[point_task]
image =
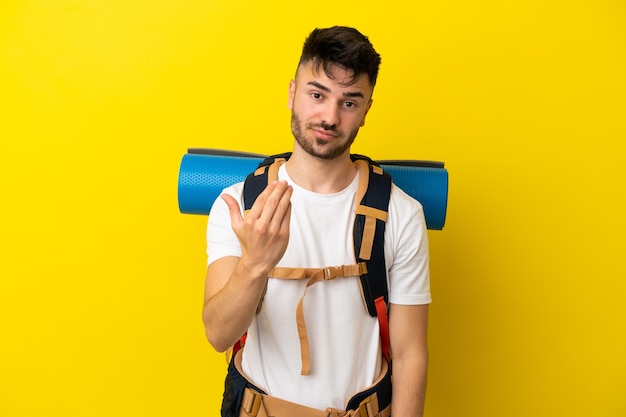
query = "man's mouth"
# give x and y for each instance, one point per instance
(325, 134)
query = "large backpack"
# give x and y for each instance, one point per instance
(241, 396)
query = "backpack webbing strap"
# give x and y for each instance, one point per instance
(318, 274)
(314, 275)
(371, 213)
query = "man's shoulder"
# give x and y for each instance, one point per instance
(219, 205)
(400, 200)
(235, 190)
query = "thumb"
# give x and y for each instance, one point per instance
(233, 208)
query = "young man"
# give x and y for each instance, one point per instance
(305, 220)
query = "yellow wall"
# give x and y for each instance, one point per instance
(101, 278)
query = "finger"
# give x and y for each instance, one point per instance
(268, 204)
(286, 220)
(282, 213)
(233, 208)
(257, 207)
(277, 217)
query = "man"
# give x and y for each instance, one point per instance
(305, 220)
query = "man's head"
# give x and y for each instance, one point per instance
(344, 47)
(332, 91)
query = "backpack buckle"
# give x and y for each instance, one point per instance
(333, 272)
(251, 401)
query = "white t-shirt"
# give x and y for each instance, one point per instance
(344, 339)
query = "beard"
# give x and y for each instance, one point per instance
(317, 147)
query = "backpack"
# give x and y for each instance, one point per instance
(373, 195)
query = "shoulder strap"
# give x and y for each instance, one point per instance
(369, 239)
(369, 229)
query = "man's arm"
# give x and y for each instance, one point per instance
(407, 335)
(235, 285)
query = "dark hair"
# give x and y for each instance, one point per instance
(342, 46)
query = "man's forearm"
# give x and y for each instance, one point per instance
(409, 386)
(228, 313)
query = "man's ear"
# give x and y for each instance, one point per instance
(292, 93)
(369, 105)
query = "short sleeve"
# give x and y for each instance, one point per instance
(406, 251)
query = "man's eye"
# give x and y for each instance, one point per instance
(316, 95)
(349, 104)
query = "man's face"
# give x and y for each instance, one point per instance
(326, 113)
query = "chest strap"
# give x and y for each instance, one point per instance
(313, 275)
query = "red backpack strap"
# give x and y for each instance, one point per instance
(383, 324)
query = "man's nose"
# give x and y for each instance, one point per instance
(330, 114)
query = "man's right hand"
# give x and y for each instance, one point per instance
(264, 232)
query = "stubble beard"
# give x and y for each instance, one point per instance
(317, 147)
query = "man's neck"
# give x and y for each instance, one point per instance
(320, 175)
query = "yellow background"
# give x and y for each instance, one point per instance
(101, 277)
